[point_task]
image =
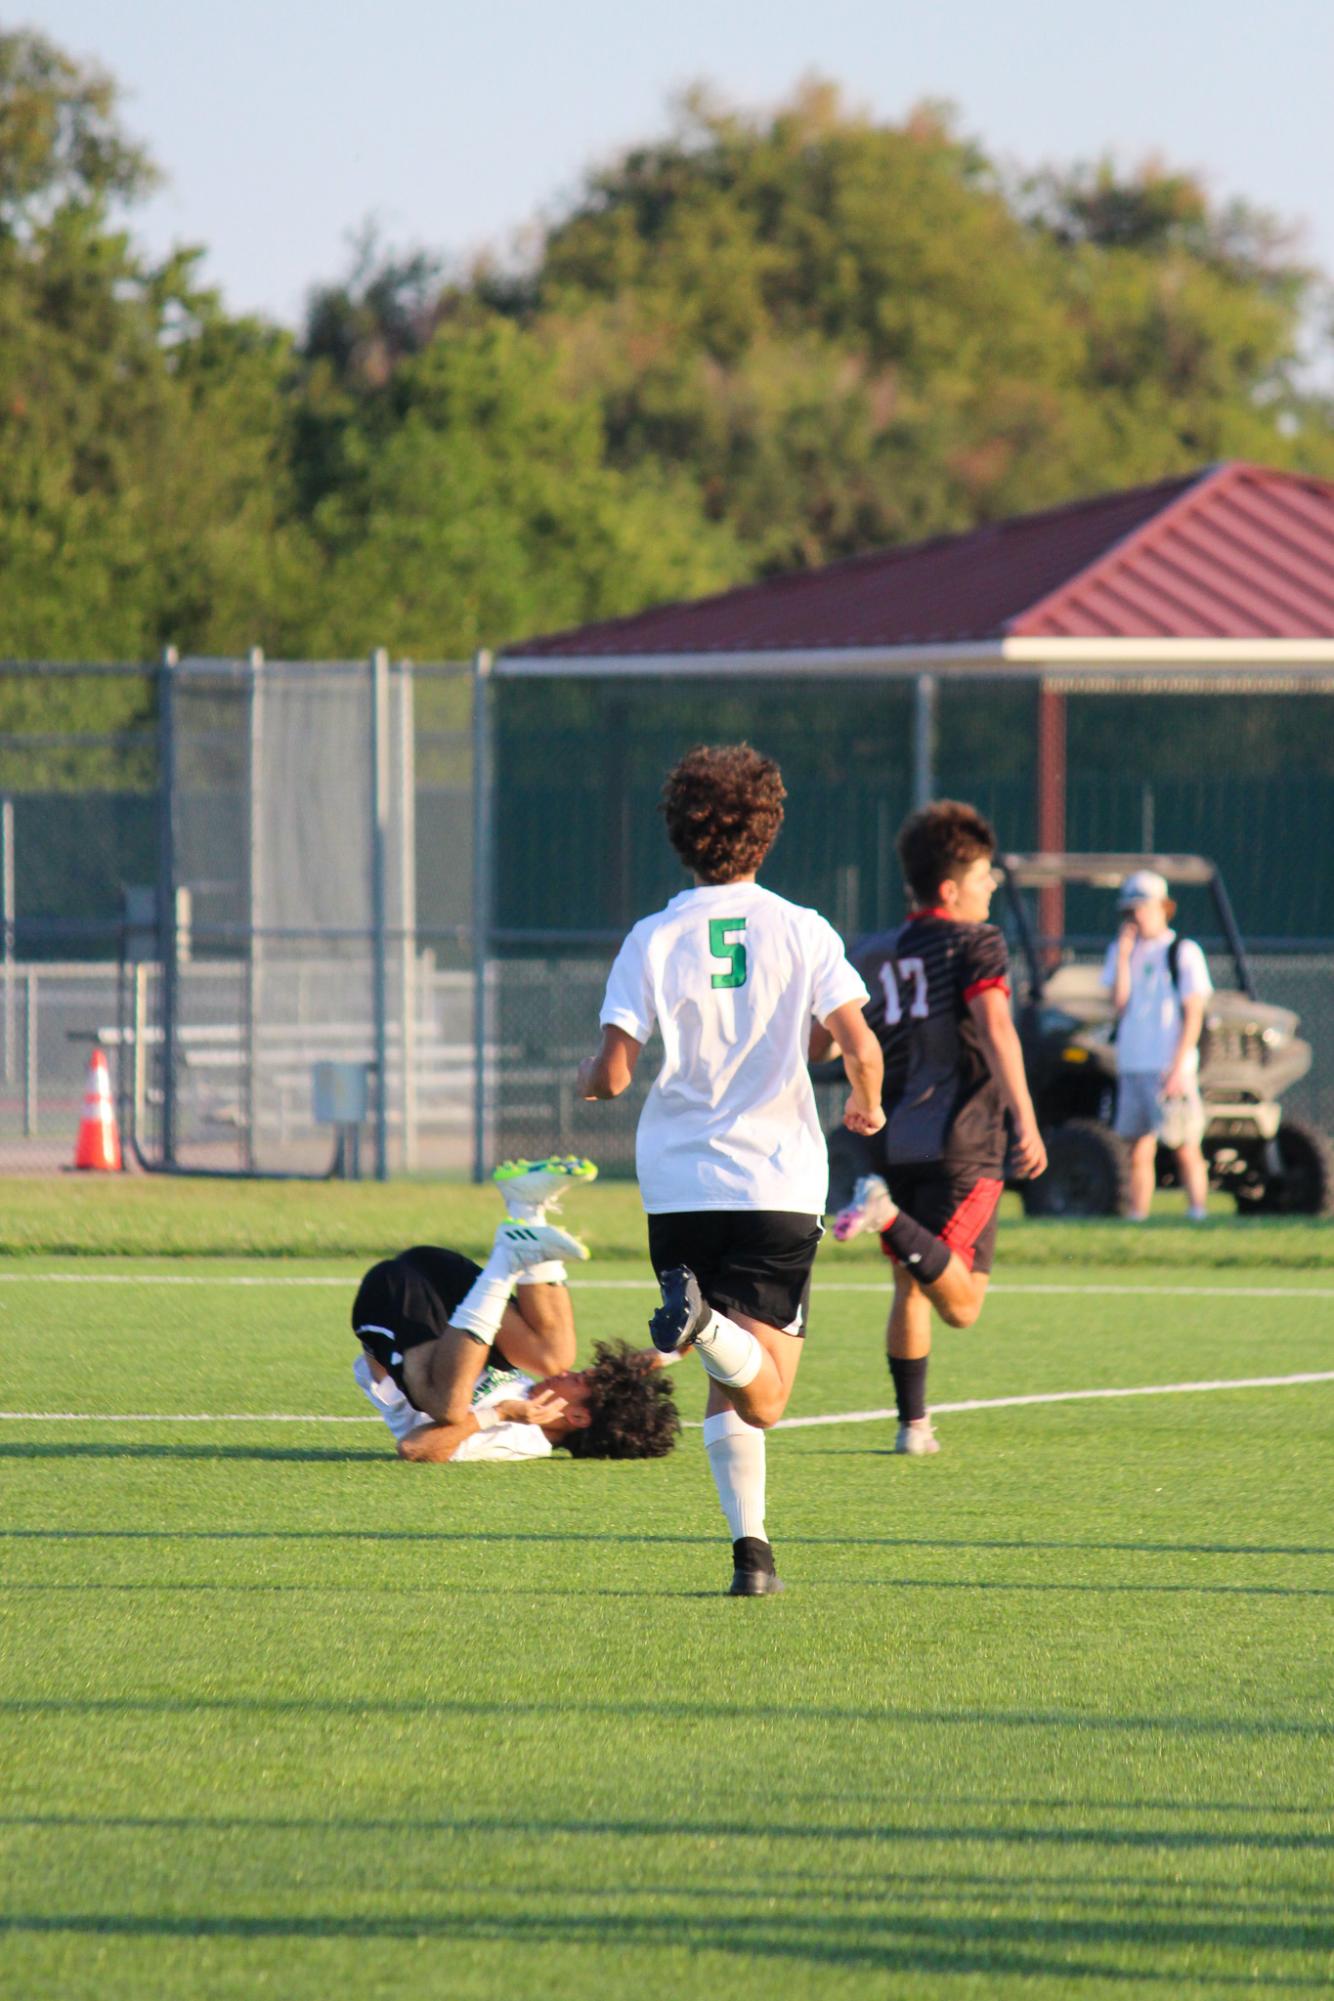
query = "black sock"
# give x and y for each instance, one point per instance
(917, 1249)
(909, 1385)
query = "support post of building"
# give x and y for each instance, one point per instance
(254, 879)
(483, 891)
(405, 787)
(379, 818)
(1051, 776)
(926, 695)
(167, 907)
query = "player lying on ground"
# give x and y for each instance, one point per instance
(466, 1361)
(731, 1160)
(954, 1083)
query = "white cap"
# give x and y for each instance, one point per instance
(1144, 886)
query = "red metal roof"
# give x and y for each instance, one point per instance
(1236, 551)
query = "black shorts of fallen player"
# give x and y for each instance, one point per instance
(958, 1204)
(752, 1261)
(407, 1301)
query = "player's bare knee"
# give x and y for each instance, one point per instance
(963, 1313)
(763, 1410)
(557, 1351)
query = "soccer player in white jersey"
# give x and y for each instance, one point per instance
(513, 1318)
(732, 1164)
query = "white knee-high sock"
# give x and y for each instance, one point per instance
(482, 1307)
(551, 1272)
(730, 1353)
(736, 1458)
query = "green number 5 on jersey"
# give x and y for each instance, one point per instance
(731, 951)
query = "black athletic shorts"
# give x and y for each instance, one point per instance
(408, 1300)
(756, 1260)
(958, 1204)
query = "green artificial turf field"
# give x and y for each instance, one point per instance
(1049, 1714)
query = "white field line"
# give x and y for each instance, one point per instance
(1069, 1396)
(784, 1424)
(265, 1279)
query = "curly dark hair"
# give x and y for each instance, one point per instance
(633, 1411)
(723, 805)
(940, 840)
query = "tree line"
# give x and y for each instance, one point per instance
(755, 343)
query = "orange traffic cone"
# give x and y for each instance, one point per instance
(98, 1144)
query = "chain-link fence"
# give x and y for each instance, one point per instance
(544, 1010)
(220, 950)
(253, 891)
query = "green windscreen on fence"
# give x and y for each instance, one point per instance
(1245, 780)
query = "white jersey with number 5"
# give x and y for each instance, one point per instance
(733, 977)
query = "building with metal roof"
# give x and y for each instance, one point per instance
(1232, 567)
(1220, 582)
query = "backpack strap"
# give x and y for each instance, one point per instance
(1174, 965)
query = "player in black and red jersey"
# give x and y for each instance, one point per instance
(955, 1095)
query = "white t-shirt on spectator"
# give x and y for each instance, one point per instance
(504, 1441)
(1146, 1037)
(733, 976)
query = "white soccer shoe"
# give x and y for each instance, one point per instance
(916, 1439)
(539, 1243)
(528, 1188)
(869, 1209)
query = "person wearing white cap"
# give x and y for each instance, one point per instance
(1159, 985)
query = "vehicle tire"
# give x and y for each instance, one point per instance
(1306, 1185)
(1088, 1173)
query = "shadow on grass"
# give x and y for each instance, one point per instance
(491, 1536)
(112, 1449)
(573, 1593)
(1087, 1722)
(905, 1835)
(858, 1875)
(889, 1940)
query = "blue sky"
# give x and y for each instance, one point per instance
(282, 126)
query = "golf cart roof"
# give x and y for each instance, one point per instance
(1102, 871)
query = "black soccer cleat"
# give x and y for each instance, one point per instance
(683, 1313)
(753, 1575)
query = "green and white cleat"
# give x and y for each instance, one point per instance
(528, 1188)
(539, 1243)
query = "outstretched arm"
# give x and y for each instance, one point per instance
(608, 1073)
(1005, 1060)
(439, 1442)
(431, 1445)
(864, 1064)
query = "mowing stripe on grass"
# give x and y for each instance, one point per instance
(784, 1424)
(880, 1287)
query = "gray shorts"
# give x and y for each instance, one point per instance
(1142, 1109)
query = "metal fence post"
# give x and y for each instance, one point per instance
(139, 1087)
(1051, 802)
(7, 916)
(379, 745)
(30, 1053)
(167, 910)
(407, 878)
(483, 823)
(254, 873)
(925, 695)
